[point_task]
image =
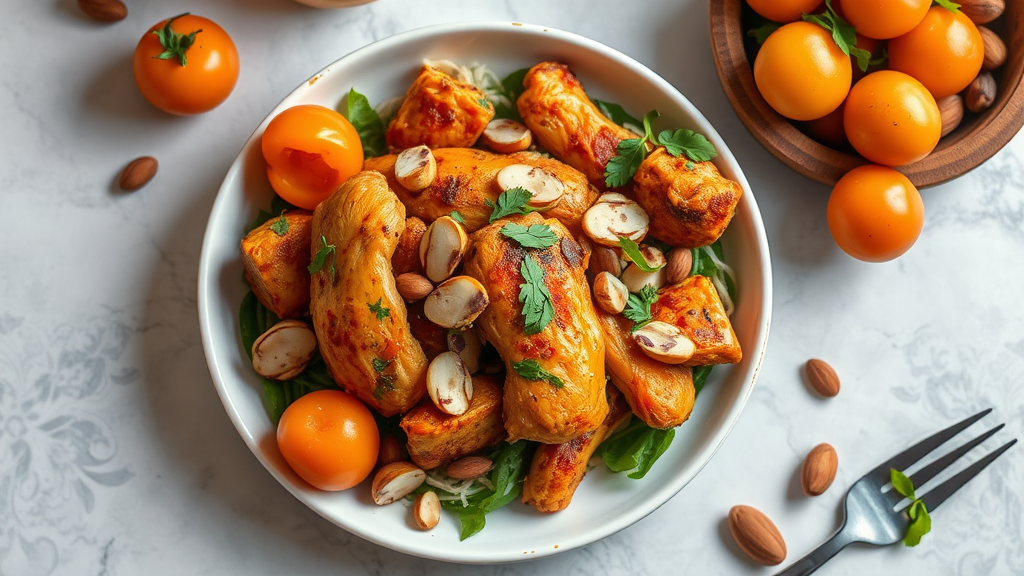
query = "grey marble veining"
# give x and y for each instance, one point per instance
(116, 457)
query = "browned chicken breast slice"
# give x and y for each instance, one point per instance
(407, 253)
(694, 306)
(437, 439)
(687, 207)
(275, 256)
(467, 178)
(570, 346)
(660, 394)
(557, 469)
(566, 123)
(358, 315)
(440, 112)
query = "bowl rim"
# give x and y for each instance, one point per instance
(208, 302)
(992, 130)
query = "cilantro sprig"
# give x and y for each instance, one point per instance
(175, 45)
(534, 236)
(280, 226)
(379, 309)
(511, 202)
(537, 307)
(320, 258)
(632, 251)
(457, 216)
(638, 306)
(630, 153)
(531, 370)
(920, 521)
(842, 33)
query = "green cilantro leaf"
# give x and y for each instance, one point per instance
(648, 118)
(761, 33)
(367, 123)
(280, 226)
(621, 167)
(320, 258)
(175, 45)
(690, 165)
(483, 102)
(633, 252)
(920, 524)
(455, 215)
(617, 114)
(948, 5)
(380, 364)
(510, 202)
(536, 236)
(638, 306)
(694, 145)
(902, 484)
(843, 34)
(537, 307)
(531, 370)
(382, 312)
(385, 384)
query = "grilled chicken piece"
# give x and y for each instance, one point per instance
(358, 315)
(407, 254)
(440, 112)
(660, 394)
(566, 123)
(570, 346)
(557, 469)
(275, 264)
(467, 177)
(694, 306)
(437, 439)
(688, 207)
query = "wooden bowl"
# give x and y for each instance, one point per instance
(977, 138)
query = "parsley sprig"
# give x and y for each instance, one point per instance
(379, 309)
(920, 521)
(280, 226)
(632, 251)
(842, 33)
(511, 202)
(536, 236)
(638, 306)
(630, 153)
(175, 45)
(537, 307)
(320, 258)
(531, 370)
(457, 216)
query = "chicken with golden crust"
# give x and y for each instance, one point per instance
(694, 306)
(440, 112)
(275, 256)
(359, 318)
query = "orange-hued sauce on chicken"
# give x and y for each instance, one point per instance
(440, 112)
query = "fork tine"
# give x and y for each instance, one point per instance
(930, 471)
(937, 496)
(905, 459)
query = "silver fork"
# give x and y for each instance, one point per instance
(870, 513)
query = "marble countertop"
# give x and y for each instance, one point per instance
(116, 456)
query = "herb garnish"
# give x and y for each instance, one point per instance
(510, 202)
(536, 236)
(632, 251)
(175, 45)
(384, 384)
(842, 33)
(380, 364)
(382, 312)
(630, 153)
(920, 521)
(321, 257)
(537, 307)
(531, 370)
(694, 145)
(455, 215)
(617, 114)
(635, 448)
(367, 123)
(948, 5)
(638, 306)
(280, 226)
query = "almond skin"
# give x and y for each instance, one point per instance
(981, 93)
(104, 10)
(951, 111)
(413, 287)
(138, 173)
(391, 450)
(822, 377)
(469, 467)
(680, 262)
(756, 535)
(982, 11)
(819, 470)
(395, 481)
(995, 49)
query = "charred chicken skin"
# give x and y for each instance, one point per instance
(440, 112)
(695, 307)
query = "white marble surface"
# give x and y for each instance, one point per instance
(116, 457)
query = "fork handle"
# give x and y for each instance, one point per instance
(819, 555)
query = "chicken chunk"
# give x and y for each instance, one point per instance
(275, 258)
(687, 207)
(694, 306)
(660, 394)
(440, 112)
(407, 254)
(359, 317)
(467, 178)
(437, 439)
(566, 123)
(570, 346)
(557, 469)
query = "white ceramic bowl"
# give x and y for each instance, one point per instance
(605, 503)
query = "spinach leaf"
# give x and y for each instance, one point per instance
(616, 114)
(635, 448)
(700, 376)
(367, 123)
(511, 87)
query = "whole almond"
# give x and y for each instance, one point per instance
(138, 173)
(982, 11)
(680, 262)
(396, 481)
(951, 111)
(391, 450)
(412, 286)
(995, 49)
(605, 259)
(756, 535)
(104, 10)
(981, 93)
(469, 467)
(822, 377)
(426, 510)
(819, 469)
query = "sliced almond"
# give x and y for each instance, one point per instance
(611, 218)
(680, 263)
(391, 450)
(415, 168)
(634, 278)
(545, 187)
(412, 286)
(456, 302)
(611, 197)
(664, 342)
(610, 293)
(396, 481)
(284, 350)
(426, 510)
(449, 383)
(605, 259)
(467, 344)
(442, 247)
(506, 136)
(469, 467)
